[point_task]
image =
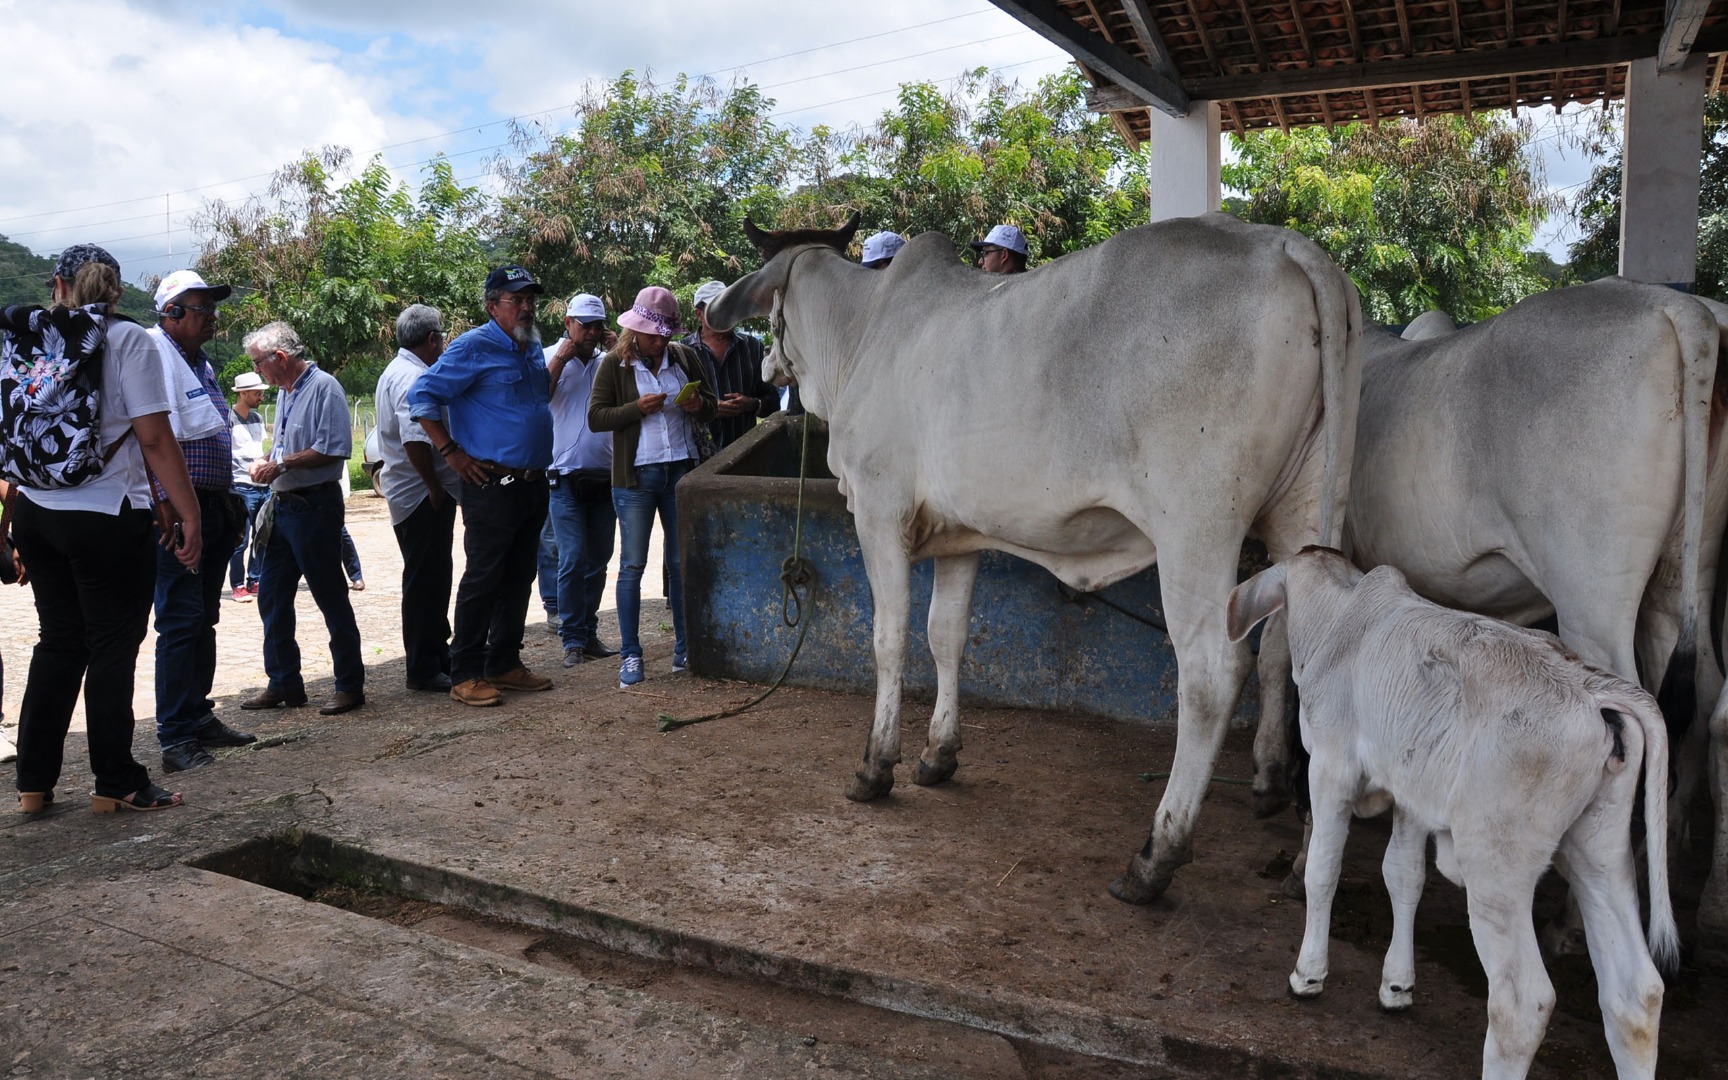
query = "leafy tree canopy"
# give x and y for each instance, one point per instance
(340, 263)
(1597, 205)
(1437, 213)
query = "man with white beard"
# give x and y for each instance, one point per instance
(493, 382)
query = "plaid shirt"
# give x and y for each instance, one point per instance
(209, 460)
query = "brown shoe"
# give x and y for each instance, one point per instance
(270, 699)
(342, 701)
(476, 692)
(520, 679)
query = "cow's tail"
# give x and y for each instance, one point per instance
(1632, 702)
(1696, 333)
(1340, 314)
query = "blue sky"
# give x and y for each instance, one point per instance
(119, 119)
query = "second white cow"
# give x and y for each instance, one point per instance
(1509, 751)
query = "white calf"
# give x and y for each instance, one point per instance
(1495, 740)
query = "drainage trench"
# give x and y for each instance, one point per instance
(815, 1003)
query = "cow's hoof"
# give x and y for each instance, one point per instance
(1301, 987)
(1141, 883)
(928, 775)
(1294, 889)
(1395, 999)
(866, 787)
(1270, 802)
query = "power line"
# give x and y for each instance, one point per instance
(508, 119)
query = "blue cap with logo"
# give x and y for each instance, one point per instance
(512, 279)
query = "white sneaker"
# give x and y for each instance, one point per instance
(8, 752)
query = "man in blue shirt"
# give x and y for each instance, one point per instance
(492, 382)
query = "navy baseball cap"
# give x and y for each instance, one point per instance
(76, 256)
(512, 279)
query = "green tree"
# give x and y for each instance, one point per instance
(1597, 205)
(985, 152)
(339, 263)
(651, 186)
(1421, 214)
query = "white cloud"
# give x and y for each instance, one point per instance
(105, 103)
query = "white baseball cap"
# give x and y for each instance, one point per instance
(707, 291)
(1003, 236)
(585, 307)
(884, 245)
(247, 380)
(185, 281)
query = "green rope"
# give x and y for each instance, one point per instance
(796, 572)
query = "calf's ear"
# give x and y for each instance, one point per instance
(1253, 600)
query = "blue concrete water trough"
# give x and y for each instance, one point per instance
(1034, 643)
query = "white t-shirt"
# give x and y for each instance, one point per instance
(132, 386)
(190, 416)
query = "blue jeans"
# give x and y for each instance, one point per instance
(350, 556)
(307, 542)
(188, 606)
(241, 569)
(654, 491)
(584, 523)
(546, 568)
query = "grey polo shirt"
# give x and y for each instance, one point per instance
(312, 415)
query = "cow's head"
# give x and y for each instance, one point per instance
(753, 295)
(1311, 576)
(762, 292)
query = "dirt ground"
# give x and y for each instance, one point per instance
(563, 845)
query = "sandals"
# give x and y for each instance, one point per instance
(34, 802)
(148, 797)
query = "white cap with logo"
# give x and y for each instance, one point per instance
(585, 307)
(185, 281)
(884, 245)
(1003, 236)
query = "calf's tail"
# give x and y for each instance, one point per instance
(1630, 701)
(1339, 308)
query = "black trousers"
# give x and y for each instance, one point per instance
(92, 576)
(424, 540)
(501, 526)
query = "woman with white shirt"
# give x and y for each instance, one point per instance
(92, 568)
(653, 447)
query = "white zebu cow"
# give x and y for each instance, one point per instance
(1151, 399)
(1493, 739)
(1551, 460)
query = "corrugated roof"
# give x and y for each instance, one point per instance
(1294, 63)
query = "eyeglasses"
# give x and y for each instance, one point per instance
(199, 309)
(520, 301)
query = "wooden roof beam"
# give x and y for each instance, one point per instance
(1432, 68)
(1139, 15)
(1159, 89)
(1684, 18)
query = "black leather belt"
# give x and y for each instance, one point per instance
(502, 477)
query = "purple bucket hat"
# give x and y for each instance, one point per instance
(655, 312)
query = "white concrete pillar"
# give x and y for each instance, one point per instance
(1184, 180)
(1659, 180)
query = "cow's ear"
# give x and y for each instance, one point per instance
(1253, 600)
(749, 297)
